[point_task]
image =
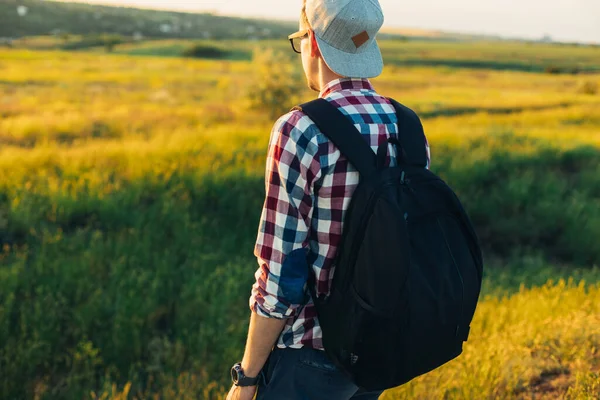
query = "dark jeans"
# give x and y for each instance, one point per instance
(306, 374)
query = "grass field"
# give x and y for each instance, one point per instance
(131, 187)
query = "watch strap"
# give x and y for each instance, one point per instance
(243, 380)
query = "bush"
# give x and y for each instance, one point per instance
(276, 84)
(110, 41)
(547, 201)
(202, 50)
(107, 41)
(590, 87)
(552, 69)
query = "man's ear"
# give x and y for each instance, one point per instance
(314, 47)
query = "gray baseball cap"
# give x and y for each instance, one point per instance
(345, 31)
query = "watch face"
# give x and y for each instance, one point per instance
(239, 378)
(235, 373)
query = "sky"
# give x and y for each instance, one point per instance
(565, 20)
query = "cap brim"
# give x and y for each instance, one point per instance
(367, 64)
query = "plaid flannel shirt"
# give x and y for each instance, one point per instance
(309, 185)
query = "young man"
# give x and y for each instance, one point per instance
(309, 185)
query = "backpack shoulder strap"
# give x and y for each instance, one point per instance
(340, 130)
(411, 135)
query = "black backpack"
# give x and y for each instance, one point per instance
(409, 268)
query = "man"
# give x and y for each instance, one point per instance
(309, 185)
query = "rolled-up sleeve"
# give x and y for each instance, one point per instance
(283, 233)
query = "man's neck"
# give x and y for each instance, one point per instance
(326, 76)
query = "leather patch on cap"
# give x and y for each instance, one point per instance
(361, 39)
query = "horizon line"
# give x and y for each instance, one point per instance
(386, 29)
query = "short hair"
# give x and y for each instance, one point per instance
(303, 16)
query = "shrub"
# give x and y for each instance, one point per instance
(65, 37)
(590, 87)
(203, 50)
(552, 69)
(276, 84)
(107, 41)
(110, 41)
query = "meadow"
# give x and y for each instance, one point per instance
(131, 186)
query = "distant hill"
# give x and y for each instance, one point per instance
(20, 18)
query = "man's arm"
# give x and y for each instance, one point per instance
(282, 243)
(262, 335)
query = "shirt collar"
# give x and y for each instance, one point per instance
(345, 84)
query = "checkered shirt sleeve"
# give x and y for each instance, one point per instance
(283, 237)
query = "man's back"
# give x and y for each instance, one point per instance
(309, 186)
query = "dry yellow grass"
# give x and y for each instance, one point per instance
(534, 344)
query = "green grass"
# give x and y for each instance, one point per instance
(130, 192)
(511, 56)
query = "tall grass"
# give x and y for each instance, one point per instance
(540, 336)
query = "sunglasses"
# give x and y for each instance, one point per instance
(297, 38)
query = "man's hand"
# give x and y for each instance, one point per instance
(262, 335)
(241, 393)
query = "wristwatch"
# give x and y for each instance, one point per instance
(241, 380)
